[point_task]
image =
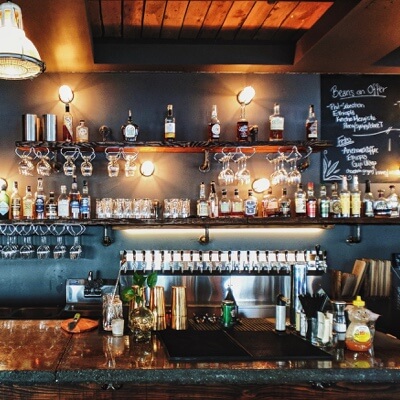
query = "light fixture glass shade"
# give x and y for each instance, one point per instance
(147, 168)
(246, 95)
(19, 58)
(65, 94)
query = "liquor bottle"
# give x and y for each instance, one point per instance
(214, 126)
(82, 132)
(213, 206)
(311, 125)
(169, 126)
(51, 207)
(300, 202)
(344, 198)
(74, 198)
(40, 200)
(276, 124)
(84, 203)
(4, 202)
(63, 203)
(393, 202)
(284, 204)
(202, 204)
(381, 206)
(15, 200)
(368, 201)
(130, 131)
(67, 125)
(242, 126)
(311, 202)
(335, 208)
(355, 198)
(323, 202)
(225, 208)
(28, 204)
(269, 205)
(237, 205)
(250, 205)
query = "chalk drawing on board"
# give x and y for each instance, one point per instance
(387, 131)
(329, 170)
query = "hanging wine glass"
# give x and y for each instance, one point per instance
(70, 154)
(87, 166)
(227, 175)
(43, 167)
(75, 251)
(242, 175)
(113, 164)
(294, 175)
(43, 251)
(60, 249)
(130, 166)
(25, 166)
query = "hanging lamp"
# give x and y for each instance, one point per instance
(19, 58)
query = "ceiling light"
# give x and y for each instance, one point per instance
(19, 58)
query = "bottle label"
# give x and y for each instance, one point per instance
(362, 334)
(202, 210)
(63, 208)
(277, 123)
(312, 130)
(250, 207)
(39, 205)
(324, 209)
(4, 208)
(356, 205)
(312, 209)
(130, 132)
(300, 205)
(16, 208)
(82, 134)
(170, 130)
(75, 208)
(242, 130)
(215, 130)
(225, 207)
(84, 206)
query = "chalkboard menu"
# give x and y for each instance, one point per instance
(360, 115)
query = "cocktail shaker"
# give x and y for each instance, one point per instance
(157, 307)
(179, 320)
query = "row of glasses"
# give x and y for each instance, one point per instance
(113, 156)
(44, 166)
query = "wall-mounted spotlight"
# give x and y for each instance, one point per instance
(261, 185)
(147, 168)
(244, 97)
(65, 94)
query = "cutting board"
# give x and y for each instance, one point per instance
(83, 325)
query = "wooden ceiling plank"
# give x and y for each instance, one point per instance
(173, 19)
(94, 14)
(111, 11)
(132, 19)
(194, 18)
(215, 18)
(153, 19)
(235, 19)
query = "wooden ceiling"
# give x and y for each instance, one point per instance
(336, 36)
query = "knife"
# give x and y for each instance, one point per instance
(74, 322)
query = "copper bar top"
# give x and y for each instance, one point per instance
(39, 351)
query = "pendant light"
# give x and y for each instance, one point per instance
(19, 58)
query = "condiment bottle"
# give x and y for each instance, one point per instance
(358, 334)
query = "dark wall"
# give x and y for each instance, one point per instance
(105, 99)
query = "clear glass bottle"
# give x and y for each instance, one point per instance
(68, 133)
(4, 202)
(311, 124)
(355, 198)
(345, 198)
(40, 200)
(323, 202)
(130, 131)
(202, 203)
(237, 205)
(169, 126)
(74, 199)
(51, 207)
(28, 204)
(368, 201)
(250, 205)
(84, 202)
(225, 208)
(276, 124)
(82, 132)
(15, 200)
(284, 204)
(242, 126)
(300, 201)
(381, 206)
(213, 206)
(393, 202)
(311, 202)
(335, 208)
(63, 203)
(214, 126)
(270, 206)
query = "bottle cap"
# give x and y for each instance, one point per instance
(358, 302)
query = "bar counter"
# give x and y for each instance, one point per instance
(39, 357)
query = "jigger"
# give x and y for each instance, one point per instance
(179, 320)
(157, 307)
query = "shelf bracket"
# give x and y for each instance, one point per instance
(205, 239)
(355, 234)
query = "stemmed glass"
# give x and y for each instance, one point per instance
(75, 250)
(113, 165)
(294, 175)
(25, 166)
(27, 250)
(226, 176)
(60, 249)
(87, 166)
(279, 176)
(43, 251)
(130, 166)
(70, 154)
(242, 175)
(43, 167)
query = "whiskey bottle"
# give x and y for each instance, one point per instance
(269, 205)
(130, 131)
(300, 201)
(169, 126)
(284, 204)
(311, 202)
(202, 204)
(393, 202)
(15, 200)
(368, 201)
(344, 198)
(28, 204)
(276, 124)
(84, 202)
(51, 207)
(237, 205)
(335, 208)
(213, 206)
(67, 125)
(224, 205)
(4, 202)
(355, 198)
(311, 125)
(40, 200)
(214, 126)
(381, 206)
(82, 132)
(323, 202)
(74, 199)
(242, 126)
(63, 203)
(250, 205)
